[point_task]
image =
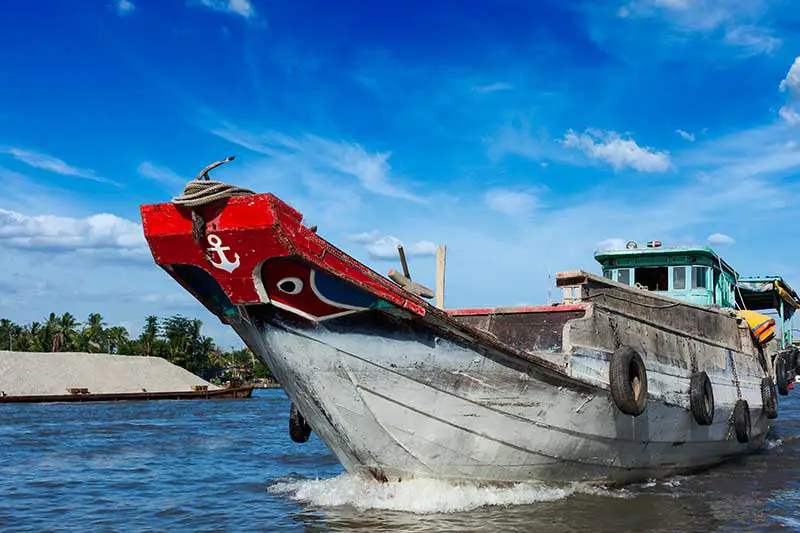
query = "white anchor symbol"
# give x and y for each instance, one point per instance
(224, 263)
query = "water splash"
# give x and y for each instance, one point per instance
(772, 443)
(425, 496)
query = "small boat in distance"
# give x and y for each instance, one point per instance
(647, 370)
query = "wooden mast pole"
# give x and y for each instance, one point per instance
(441, 256)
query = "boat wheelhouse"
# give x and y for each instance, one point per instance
(698, 275)
(693, 274)
(771, 294)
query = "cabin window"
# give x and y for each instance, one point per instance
(608, 273)
(699, 277)
(654, 278)
(678, 278)
(624, 276)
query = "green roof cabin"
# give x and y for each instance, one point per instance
(696, 274)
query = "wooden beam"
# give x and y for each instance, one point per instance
(441, 260)
(403, 261)
(411, 286)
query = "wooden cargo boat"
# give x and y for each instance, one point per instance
(643, 372)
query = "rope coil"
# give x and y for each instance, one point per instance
(202, 191)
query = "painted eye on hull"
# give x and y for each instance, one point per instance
(290, 285)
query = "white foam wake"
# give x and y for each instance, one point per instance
(772, 443)
(421, 496)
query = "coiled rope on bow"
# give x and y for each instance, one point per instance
(201, 191)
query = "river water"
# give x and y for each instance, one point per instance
(229, 465)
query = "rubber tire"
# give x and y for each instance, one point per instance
(299, 430)
(781, 375)
(701, 398)
(741, 421)
(769, 398)
(626, 365)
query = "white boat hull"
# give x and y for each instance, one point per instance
(394, 408)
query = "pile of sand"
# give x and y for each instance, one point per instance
(33, 373)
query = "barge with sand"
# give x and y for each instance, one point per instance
(34, 377)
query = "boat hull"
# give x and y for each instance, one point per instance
(399, 389)
(395, 407)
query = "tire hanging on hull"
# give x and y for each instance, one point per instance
(701, 398)
(795, 360)
(769, 398)
(299, 430)
(741, 421)
(628, 381)
(781, 375)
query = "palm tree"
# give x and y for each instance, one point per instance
(35, 337)
(64, 331)
(18, 338)
(149, 335)
(116, 336)
(6, 334)
(51, 331)
(92, 335)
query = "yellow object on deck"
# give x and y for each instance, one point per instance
(761, 326)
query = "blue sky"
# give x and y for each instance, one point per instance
(524, 135)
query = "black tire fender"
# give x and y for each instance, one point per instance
(769, 397)
(299, 430)
(781, 375)
(793, 362)
(701, 398)
(741, 420)
(627, 378)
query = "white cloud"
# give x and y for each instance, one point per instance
(52, 164)
(520, 141)
(509, 202)
(738, 23)
(125, 7)
(753, 40)
(791, 82)
(102, 232)
(720, 238)
(620, 153)
(789, 115)
(169, 298)
(494, 87)
(380, 246)
(27, 195)
(755, 153)
(686, 135)
(162, 175)
(614, 243)
(310, 154)
(242, 8)
(672, 4)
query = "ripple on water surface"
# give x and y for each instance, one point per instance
(230, 466)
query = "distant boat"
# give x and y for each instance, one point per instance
(645, 371)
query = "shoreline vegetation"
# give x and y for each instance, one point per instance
(175, 338)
